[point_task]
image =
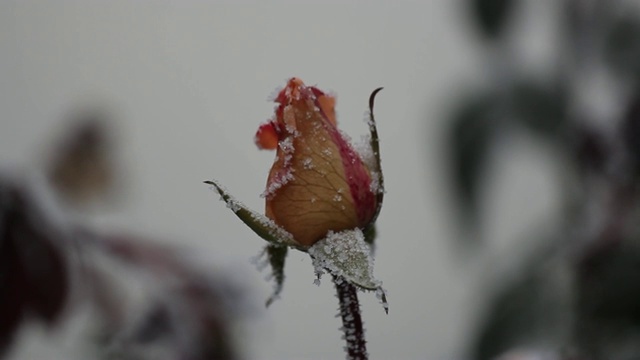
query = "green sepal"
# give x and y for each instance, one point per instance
(374, 143)
(370, 235)
(276, 255)
(260, 224)
(346, 255)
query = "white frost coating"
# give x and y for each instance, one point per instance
(274, 94)
(375, 183)
(281, 179)
(286, 145)
(363, 148)
(266, 224)
(276, 184)
(367, 118)
(346, 255)
(276, 231)
(345, 136)
(307, 163)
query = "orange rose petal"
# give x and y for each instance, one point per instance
(317, 197)
(317, 183)
(327, 105)
(266, 137)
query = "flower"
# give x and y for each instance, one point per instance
(321, 197)
(318, 182)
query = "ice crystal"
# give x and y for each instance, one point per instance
(345, 254)
(363, 148)
(278, 182)
(307, 163)
(286, 145)
(274, 94)
(375, 183)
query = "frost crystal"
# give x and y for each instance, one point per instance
(363, 148)
(286, 145)
(345, 254)
(375, 183)
(277, 183)
(307, 163)
(274, 94)
(368, 118)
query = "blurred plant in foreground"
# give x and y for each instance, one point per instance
(578, 293)
(322, 198)
(52, 267)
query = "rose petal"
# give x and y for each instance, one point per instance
(317, 182)
(266, 137)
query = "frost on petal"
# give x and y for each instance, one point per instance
(260, 224)
(363, 148)
(346, 255)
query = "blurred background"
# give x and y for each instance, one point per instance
(509, 135)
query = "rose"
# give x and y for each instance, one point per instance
(318, 183)
(322, 196)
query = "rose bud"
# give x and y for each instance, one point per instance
(318, 182)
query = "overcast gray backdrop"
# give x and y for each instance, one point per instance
(186, 84)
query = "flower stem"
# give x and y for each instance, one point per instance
(351, 320)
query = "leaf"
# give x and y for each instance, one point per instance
(41, 262)
(491, 15)
(532, 307)
(630, 131)
(540, 107)
(33, 269)
(607, 298)
(260, 224)
(370, 235)
(622, 46)
(277, 255)
(346, 255)
(470, 137)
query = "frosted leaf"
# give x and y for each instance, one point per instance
(345, 254)
(260, 224)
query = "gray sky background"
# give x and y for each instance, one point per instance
(187, 85)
